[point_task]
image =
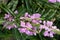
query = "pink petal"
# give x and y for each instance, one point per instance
(16, 12)
(26, 14)
(35, 21)
(52, 1)
(44, 22)
(9, 27)
(22, 30)
(49, 23)
(21, 17)
(28, 25)
(51, 34)
(46, 33)
(22, 24)
(37, 15)
(58, 0)
(6, 16)
(28, 32)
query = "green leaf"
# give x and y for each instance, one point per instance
(46, 13)
(5, 8)
(16, 34)
(21, 11)
(56, 31)
(14, 5)
(1, 21)
(52, 14)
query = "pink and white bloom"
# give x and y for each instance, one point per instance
(48, 34)
(28, 25)
(9, 17)
(34, 21)
(10, 26)
(6, 16)
(22, 24)
(34, 16)
(31, 27)
(52, 1)
(22, 30)
(58, 0)
(16, 12)
(48, 23)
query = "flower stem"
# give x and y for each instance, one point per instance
(40, 37)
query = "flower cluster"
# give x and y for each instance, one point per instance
(28, 22)
(10, 19)
(48, 28)
(32, 24)
(54, 1)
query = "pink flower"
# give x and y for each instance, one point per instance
(28, 25)
(52, 1)
(26, 31)
(22, 30)
(35, 21)
(58, 0)
(27, 28)
(48, 23)
(40, 21)
(44, 27)
(54, 27)
(22, 18)
(44, 22)
(46, 33)
(37, 15)
(8, 17)
(22, 24)
(10, 26)
(27, 15)
(16, 12)
(29, 32)
(51, 34)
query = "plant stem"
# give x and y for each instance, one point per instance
(40, 37)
